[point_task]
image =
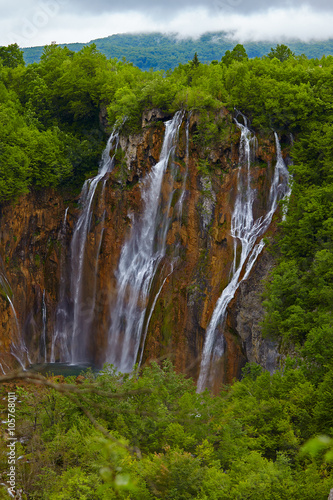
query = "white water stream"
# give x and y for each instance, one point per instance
(44, 319)
(59, 338)
(140, 257)
(17, 348)
(82, 320)
(246, 232)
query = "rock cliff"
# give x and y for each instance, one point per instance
(35, 248)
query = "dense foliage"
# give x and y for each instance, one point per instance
(173, 443)
(245, 443)
(54, 133)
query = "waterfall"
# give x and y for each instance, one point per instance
(17, 348)
(141, 256)
(75, 314)
(59, 337)
(44, 318)
(178, 211)
(89, 308)
(245, 231)
(180, 202)
(83, 317)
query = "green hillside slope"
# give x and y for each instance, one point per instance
(158, 51)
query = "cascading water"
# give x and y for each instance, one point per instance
(75, 311)
(178, 212)
(59, 338)
(245, 231)
(140, 258)
(17, 348)
(179, 205)
(82, 315)
(44, 318)
(290, 179)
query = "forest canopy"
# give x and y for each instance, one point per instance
(165, 51)
(168, 442)
(57, 102)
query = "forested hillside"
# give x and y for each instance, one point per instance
(172, 443)
(159, 51)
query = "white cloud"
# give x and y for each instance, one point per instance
(40, 26)
(274, 24)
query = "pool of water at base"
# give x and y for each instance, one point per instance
(65, 369)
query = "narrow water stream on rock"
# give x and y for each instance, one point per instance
(246, 232)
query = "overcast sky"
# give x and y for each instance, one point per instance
(31, 23)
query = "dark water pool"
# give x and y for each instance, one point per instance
(64, 369)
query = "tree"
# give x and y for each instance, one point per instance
(11, 56)
(281, 52)
(238, 53)
(195, 61)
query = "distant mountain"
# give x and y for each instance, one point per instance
(158, 51)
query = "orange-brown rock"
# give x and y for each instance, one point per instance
(30, 253)
(192, 275)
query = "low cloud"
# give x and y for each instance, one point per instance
(52, 20)
(172, 7)
(273, 25)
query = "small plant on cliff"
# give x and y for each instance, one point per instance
(203, 167)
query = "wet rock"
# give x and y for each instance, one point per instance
(199, 250)
(247, 314)
(153, 115)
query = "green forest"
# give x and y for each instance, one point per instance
(151, 435)
(163, 51)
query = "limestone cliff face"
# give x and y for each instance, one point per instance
(30, 243)
(188, 297)
(246, 312)
(35, 252)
